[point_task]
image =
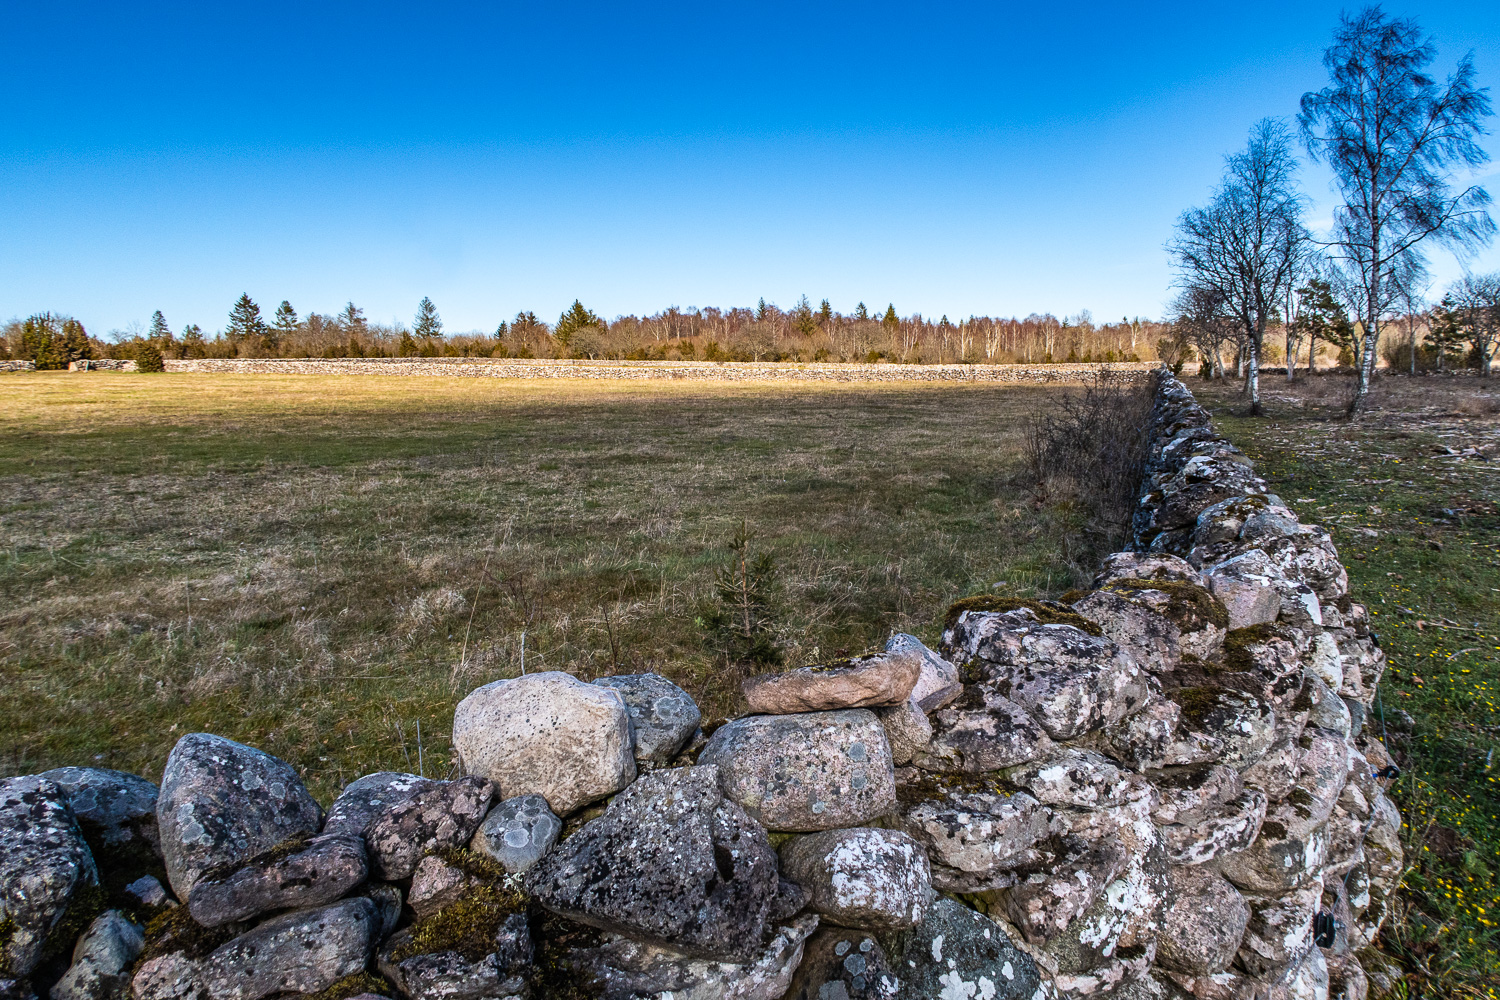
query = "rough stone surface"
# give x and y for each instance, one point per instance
(113, 808)
(1247, 589)
(938, 683)
(863, 682)
(304, 876)
(1234, 728)
(147, 891)
(663, 717)
(907, 730)
(223, 802)
(518, 832)
(453, 975)
(866, 878)
(1142, 631)
(444, 815)
(809, 772)
(44, 864)
(846, 964)
(1191, 794)
(365, 798)
(1202, 928)
(981, 731)
(547, 734)
(622, 969)
(173, 976)
(1230, 828)
(976, 832)
(1082, 779)
(102, 960)
(1278, 932)
(673, 861)
(435, 884)
(1147, 566)
(1070, 681)
(957, 952)
(301, 952)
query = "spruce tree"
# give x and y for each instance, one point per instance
(75, 341)
(825, 313)
(427, 325)
(890, 320)
(244, 320)
(192, 341)
(160, 331)
(860, 312)
(286, 319)
(574, 319)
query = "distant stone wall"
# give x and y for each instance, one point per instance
(1161, 787)
(735, 371)
(17, 366)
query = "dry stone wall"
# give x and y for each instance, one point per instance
(1162, 788)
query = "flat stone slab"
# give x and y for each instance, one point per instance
(809, 772)
(299, 876)
(863, 682)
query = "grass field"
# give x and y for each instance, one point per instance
(322, 567)
(1420, 533)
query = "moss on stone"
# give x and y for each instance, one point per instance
(1190, 607)
(1197, 703)
(1239, 643)
(474, 864)
(1272, 830)
(7, 931)
(466, 926)
(175, 931)
(935, 787)
(353, 986)
(292, 845)
(1047, 612)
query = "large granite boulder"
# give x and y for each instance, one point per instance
(299, 874)
(442, 816)
(222, 802)
(870, 681)
(672, 861)
(365, 798)
(867, 878)
(663, 716)
(301, 952)
(547, 734)
(1069, 680)
(113, 808)
(809, 772)
(518, 832)
(45, 866)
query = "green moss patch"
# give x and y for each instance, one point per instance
(1047, 612)
(353, 986)
(175, 931)
(285, 849)
(1239, 643)
(466, 926)
(1190, 607)
(935, 787)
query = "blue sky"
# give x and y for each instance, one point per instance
(949, 158)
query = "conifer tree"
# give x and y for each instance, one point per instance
(860, 312)
(244, 320)
(160, 331)
(286, 319)
(575, 318)
(192, 341)
(75, 341)
(427, 326)
(890, 321)
(825, 313)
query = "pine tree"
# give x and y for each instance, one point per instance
(890, 321)
(192, 341)
(825, 313)
(353, 318)
(41, 343)
(244, 320)
(761, 311)
(802, 318)
(575, 318)
(407, 348)
(860, 312)
(427, 325)
(286, 319)
(75, 341)
(160, 331)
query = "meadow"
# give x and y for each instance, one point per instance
(323, 566)
(1412, 496)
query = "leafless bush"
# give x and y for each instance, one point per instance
(1088, 456)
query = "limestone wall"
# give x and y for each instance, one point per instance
(1162, 787)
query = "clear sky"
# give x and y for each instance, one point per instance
(949, 158)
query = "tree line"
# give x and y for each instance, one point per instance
(1396, 139)
(762, 333)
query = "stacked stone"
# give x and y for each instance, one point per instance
(1152, 790)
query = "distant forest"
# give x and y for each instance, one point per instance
(763, 333)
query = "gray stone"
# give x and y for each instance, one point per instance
(458, 975)
(1070, 681)
(436, 884)
(866, 878)
(1227, 829)
(1289, 850)
(301, 952)
(102, 960)
(907, 730)
(885, 678)
(297, 875)
(547, 734)
(623, 969)
(148, 891)
(1202, 928)
(1246, 584)
(1081, 779)
(113, 808)
(1234, 728)
(223, 802)
(1142, 631)
(976, 832)
(1053, 894)
(518, 832)
(1191, 794)
(938, 683)
(1146, 566)
(809, 772)
(173, 976)
(1279, 933)
(981, 731)
(44, 865)
(444, 815)
(365, 798)
(663, 716)
(957, 952)
(844, 964)
(671, 861)
(1144, 739)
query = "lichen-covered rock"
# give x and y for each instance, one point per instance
(975, 831)
(663, 717)
(222, 802)
(981, 731)
(1142, 631)
(173, 976)
(1070, 681)
(623, 969)
(1054, 893)
(44, 866)
(938, 683)
(1190, 794)
(113, 808)
(866, 878)
(672, 861)
(871, 681)
(809, 772)
(436, 884)
(956, 952)
(1232, 826)
(1246, 588)
(441, 816)
(494, 968)
(1232, 727)
(1188, 606)
(102, 960)
(147, 891)
(1202, 928)
(1289, 850)
(907, 730)
(846, 964)
(1144, 739)
(300, 952)
(547, 734)
(1146, 566)
(296, 875)
(518, 832)
(1081, 779)
(365, 798)
(1279, 931)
